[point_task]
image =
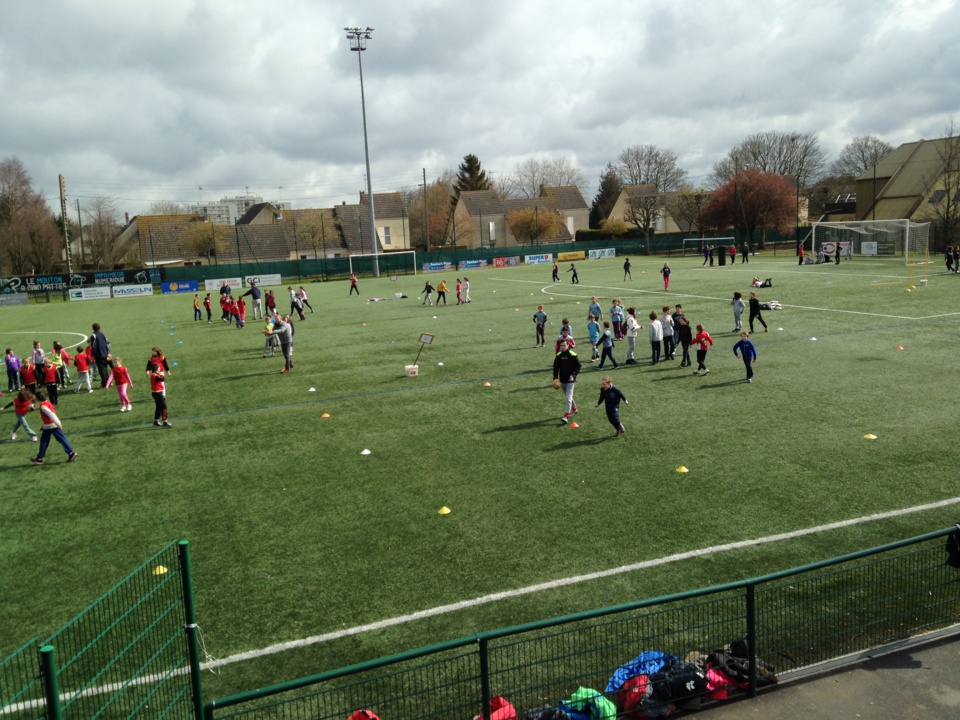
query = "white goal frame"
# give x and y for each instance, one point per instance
(701, 242)
(892, 237)
(380, 256)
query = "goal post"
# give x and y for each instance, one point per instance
(696, 245)
(880, 238)
(399, 262)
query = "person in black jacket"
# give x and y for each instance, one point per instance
(755, 312)
(566, 367)
(100, 347)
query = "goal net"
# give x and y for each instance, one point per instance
(400, 262)
(881, 238)
(695, 246)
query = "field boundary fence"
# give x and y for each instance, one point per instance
(776, 627)
(132, 653)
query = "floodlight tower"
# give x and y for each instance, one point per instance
(358, 43)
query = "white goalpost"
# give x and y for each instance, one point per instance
(698, 244)
(877, 238)
(399, 262)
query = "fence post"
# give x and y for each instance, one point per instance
(51, 688)
(190, 628)
(752, 636)
(485, 678)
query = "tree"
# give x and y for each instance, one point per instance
(313, 226)
(943, 206)
(167, 207)
(753, 200)
(859, 155)
(606, 197)
(29, 239)
(614, 227)
(470, 176)
(101, 230)
(200, 238)
(442, 228)
(531, 176)
(796, 154)
(649, 165)
(534, 224)
(686, 208)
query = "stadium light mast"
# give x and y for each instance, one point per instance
(358, 43)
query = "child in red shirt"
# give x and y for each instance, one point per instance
(702, 339)
(52, 427)
(207, 304)
(121, 378)
(51, 381)
(82, 363)
(28, 375)
(22, 404)
(159, 392)
(239, 312)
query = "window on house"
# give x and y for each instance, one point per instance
(937, 196)
(385, 235)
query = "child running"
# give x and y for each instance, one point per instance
(755, 310)
(82, 363)
(702, 339)
(748, 352)
(52, 428)
(611, 396)
(121, 379)
(606, 341)
(566, 367)
(22, 404)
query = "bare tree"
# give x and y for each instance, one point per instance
(859, 155)
(317, 227)
(203, 239)
(531, 176)
(649, 165)
(532, 225)
(167, 207)
(442, 228)
(29, 239)
(942, 207)
(791, 154)
(101, 231)
(686, 207)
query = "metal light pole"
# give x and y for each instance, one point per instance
(358, 43)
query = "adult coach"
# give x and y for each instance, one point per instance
(100, 347)
(254, 293)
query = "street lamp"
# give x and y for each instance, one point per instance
(358, 43)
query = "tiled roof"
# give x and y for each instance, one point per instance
(566, 197)
(160, 236)
(386, 206)
(635, 191)
(354, 228)
(482, 202)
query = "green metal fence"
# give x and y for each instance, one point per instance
(792, 620)
(131, 654)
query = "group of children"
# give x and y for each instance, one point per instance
(462, 288)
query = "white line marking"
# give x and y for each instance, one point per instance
(563, 582)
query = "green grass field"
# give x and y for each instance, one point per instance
(295, 534)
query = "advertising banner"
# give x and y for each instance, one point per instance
(437, 267)
(13, 299)
(506, 261)
(567, 256)
(263, 279)
(184, 286)
(63, 281)
(215, 284)
(471, 264)
(90, 293)
(603, 253)
(132, 290)
(539, 259)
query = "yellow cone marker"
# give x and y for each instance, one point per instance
(325, 415)
(443, 511)
(869, 436)
(682, 469)
(516, 309)
(160, 570)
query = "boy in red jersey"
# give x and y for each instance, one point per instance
(207, 305)
(240, 312)
(158, 389)
(28, 375)
(82, 363)
(52, 427)
(51, 381)
(22, 404)
(702, 340)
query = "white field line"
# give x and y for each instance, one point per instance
(493, 597)
(551, 290)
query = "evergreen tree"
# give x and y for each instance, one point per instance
(607, 194)
(470, 176)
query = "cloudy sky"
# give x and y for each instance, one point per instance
(147, 101)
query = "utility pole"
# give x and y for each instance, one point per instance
(66, 235)
(426, 236)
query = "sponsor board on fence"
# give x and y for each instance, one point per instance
(506, 261)
(13, 299)
(132, 290)
(567, 256)
(215, 284)
(437, 267)
(90, 293)
(538, 259)
(183, 286)
(64, 281)
(471, 264)
(868, 247)
(263, 279)
(601, 253)
(846, 248)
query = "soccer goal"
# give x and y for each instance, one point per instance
(883, 238)
(695, 246)
(400, 262)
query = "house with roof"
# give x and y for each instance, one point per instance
(480, 215)
(664, 223)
